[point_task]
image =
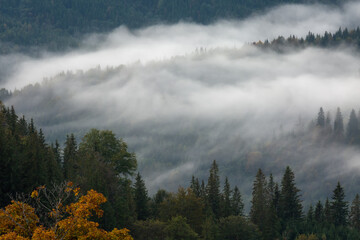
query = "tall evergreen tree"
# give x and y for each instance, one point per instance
(290, 203)
(226, 196)
(320, 122)
(141, 198)
(237, 205)
(195, 186)
(355, 213)
(327, 211)
(338, 126)
(319, 213)
(260, 201)
(339, 207)
(352, 131)
(213, 190)
(70, 157)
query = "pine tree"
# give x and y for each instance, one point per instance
(226, 199)
(321, 118)
(70, 157)
(213, 190)
(327, 211)
(339, 207)
(352, 131)
(259, 202)
(319, 213)
(195, 186)
(290, 203)
(237, 205)
(355, 213)
(338, 126)
(141, 198)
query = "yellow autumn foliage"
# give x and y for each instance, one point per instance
(18, 220)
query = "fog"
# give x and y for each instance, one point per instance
(185, 94)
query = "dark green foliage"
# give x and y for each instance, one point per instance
(339, 207)
(340, 37)
(177, 228)
(70, 157)
(354, 218)
(319, 213)
(26, 161)
(352, 131)
(237, 227)
(237, 205)
(226, 201)
(148, 230)
(213, 190)
(291, 208)
(260, 201)
(141, 198)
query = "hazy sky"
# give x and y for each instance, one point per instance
(169, 89)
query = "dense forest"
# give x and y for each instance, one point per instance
(59, 25)
(205, 209)
(349, 38)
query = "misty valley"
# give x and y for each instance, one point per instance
(180, 120)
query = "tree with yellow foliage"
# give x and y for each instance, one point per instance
(19, 221)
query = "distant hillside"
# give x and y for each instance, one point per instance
(339, 38)
(58, 25)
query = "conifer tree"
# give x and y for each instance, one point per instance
(319, 213)
(321, 118)
(141, 198)
(213, 190)
(195, 186)
(226, 199)
(352, 131)
(70, 157)
(327, 211)
(259, 202)
(355, 213)
(237, 205)
(338, 126)
(339, 207)
(290, 203)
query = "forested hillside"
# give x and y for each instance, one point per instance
(59, 25)
(206, 209)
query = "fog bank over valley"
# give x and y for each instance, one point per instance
(183, 95)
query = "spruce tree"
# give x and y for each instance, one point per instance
(321, 118)
(339, 207)
(290, 203)
(352, 131)
(141, 198)
(213, 190)
(327, 211)
(70, 157)
(237, 205)
(259, 202)
(226, 195)
(319, 213)
(355, 213)
(195, 186)
(338, 126)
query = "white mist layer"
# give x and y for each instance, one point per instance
(163, 42)
(229, 96)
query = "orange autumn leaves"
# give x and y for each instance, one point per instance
(18, 220)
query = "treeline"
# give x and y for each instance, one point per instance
(204, 210)
(57, 25)
(339, 38)
(329, 129)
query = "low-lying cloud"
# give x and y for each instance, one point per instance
(185, 94)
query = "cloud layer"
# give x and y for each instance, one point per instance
(185, 94)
